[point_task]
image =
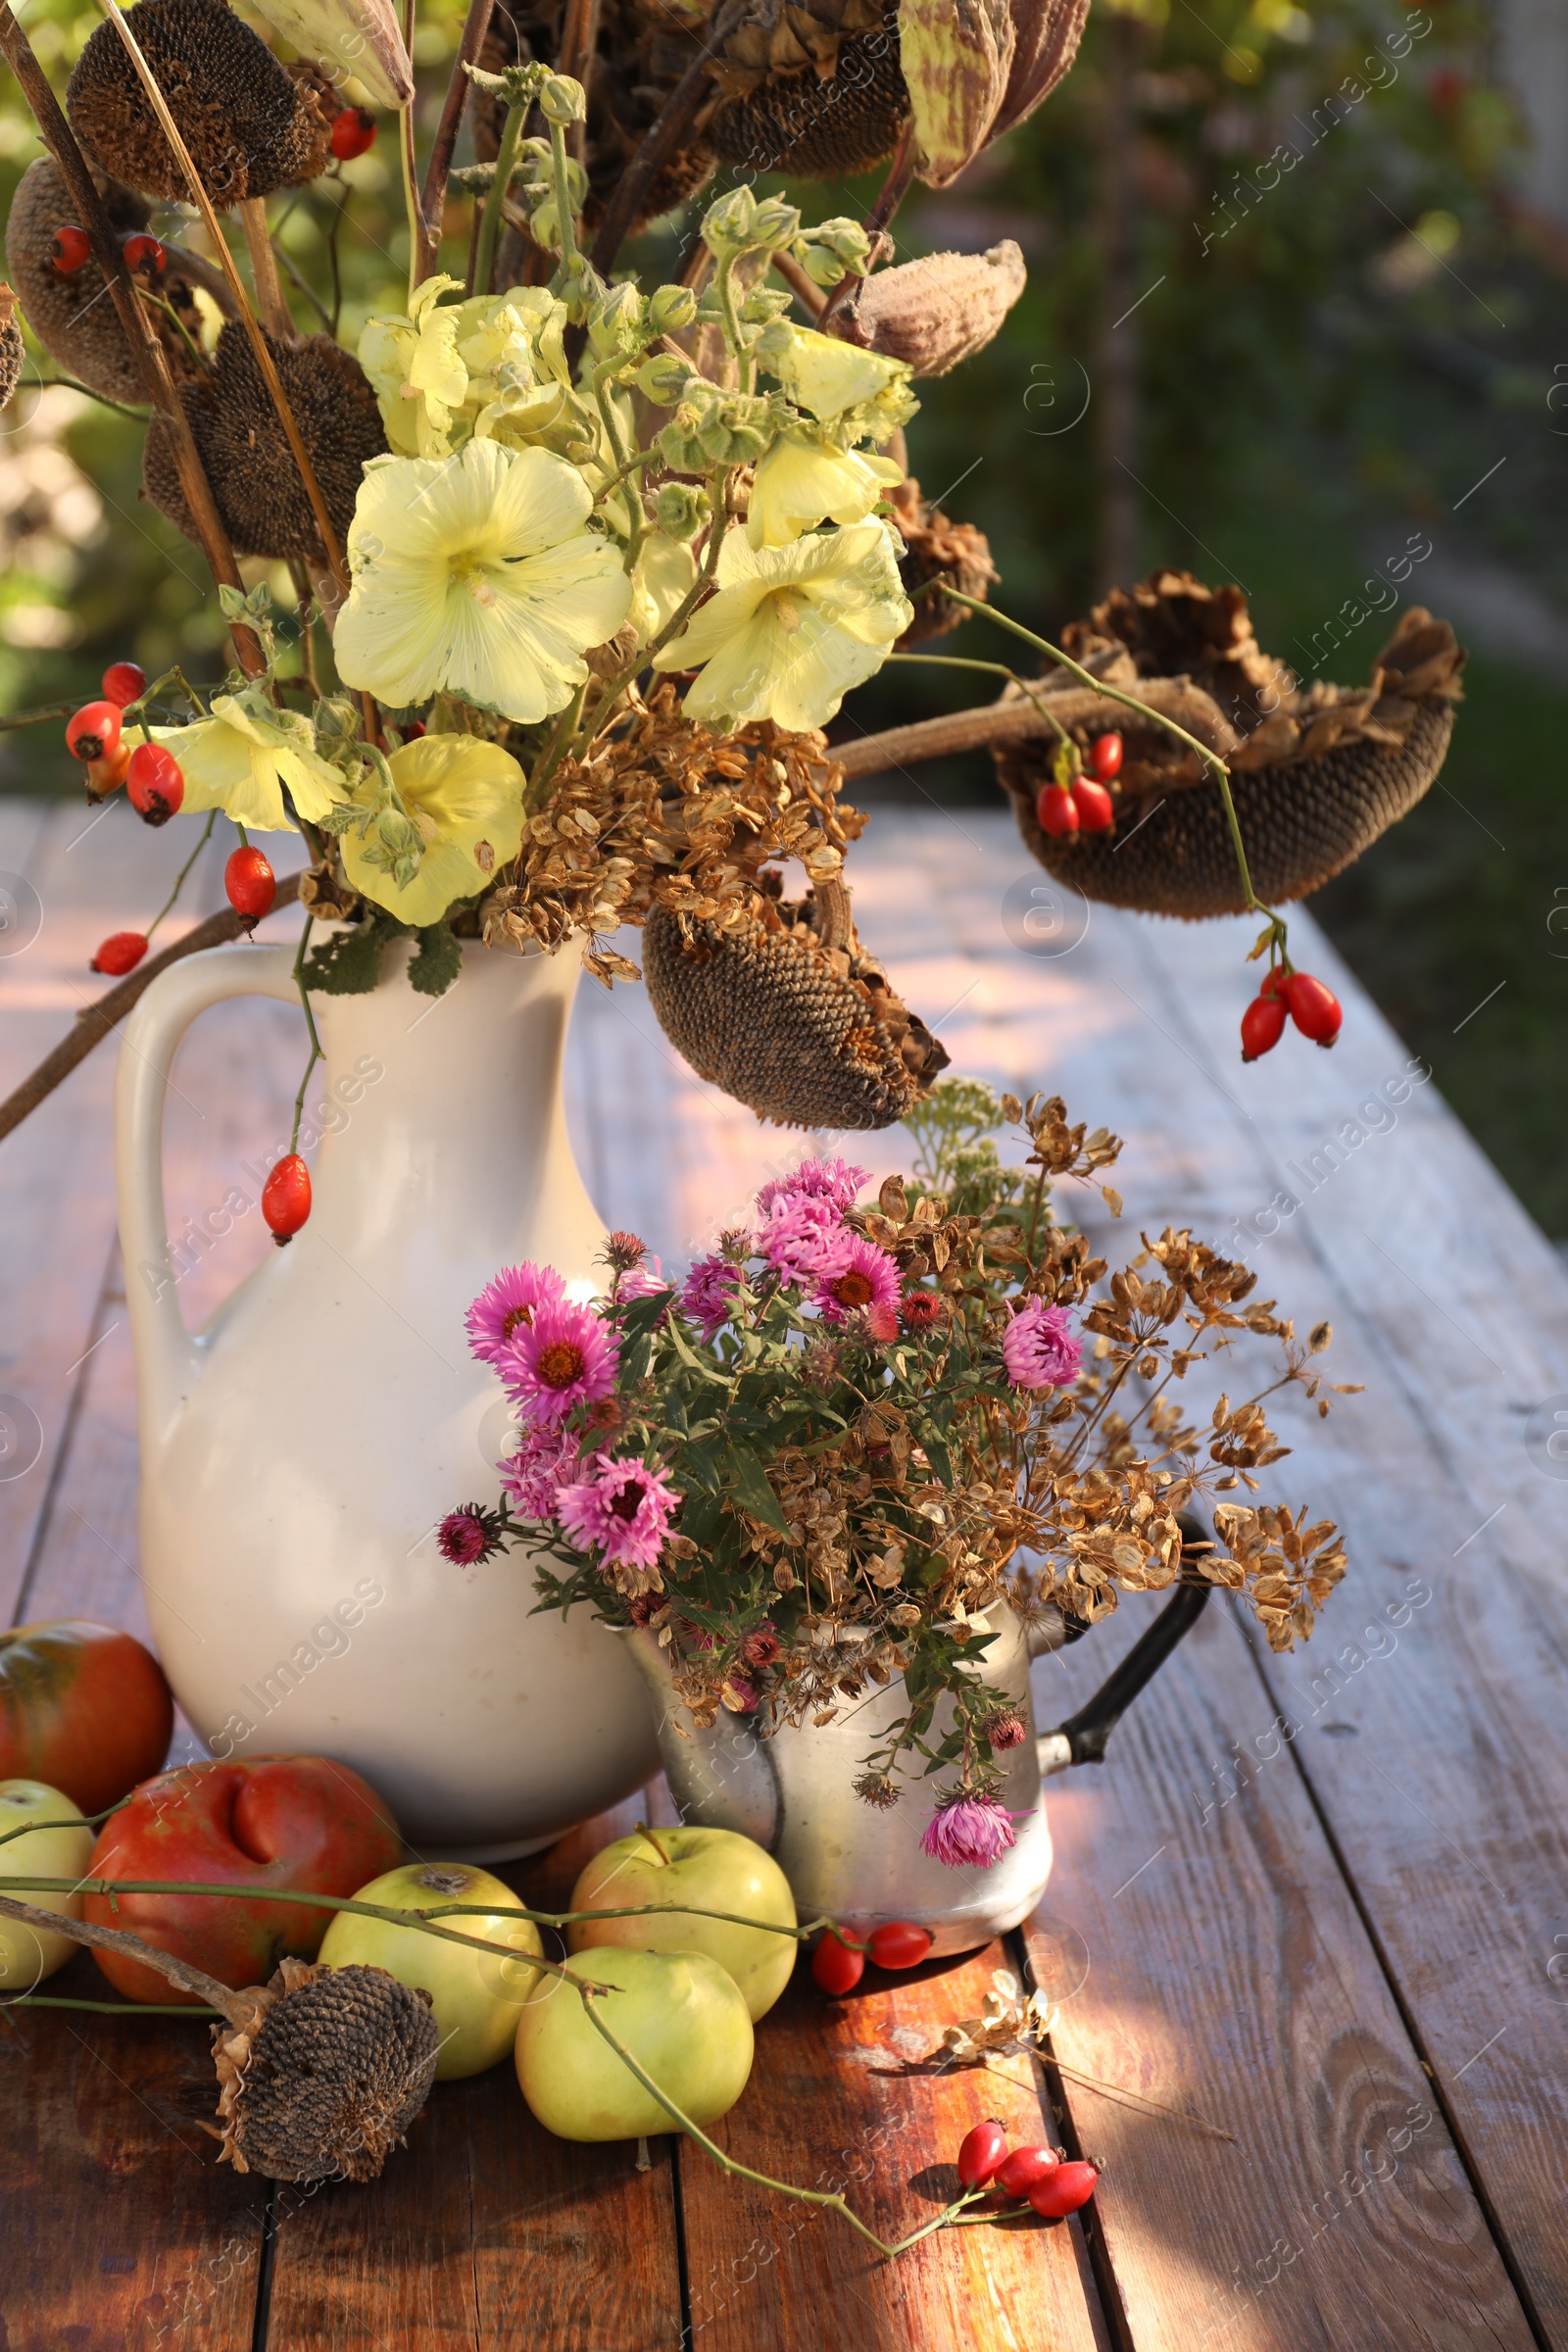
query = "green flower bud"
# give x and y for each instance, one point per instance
(681, 510)
(616, 325)
(664, 378)
(672, 308)
(562, 100)
(845, 239)
(765, 304)
(399, 836)
(775, 222)
(727, 225)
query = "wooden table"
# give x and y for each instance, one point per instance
(1321, 1900)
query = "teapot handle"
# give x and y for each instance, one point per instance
(168, 1360)
(1082, 1739)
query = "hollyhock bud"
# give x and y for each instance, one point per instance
(670, 308)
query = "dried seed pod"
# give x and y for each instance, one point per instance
(1046, 37)
(935, 311)
(74, 317)
(251, 125)
(243, 447)
(323, 2075)
(815, 89)
(643, 48)
(12, 349)
(789, 1015)
(361, 38)
(935, 549)
(956, 56)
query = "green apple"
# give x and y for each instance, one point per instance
(478, 1997)
(678, 2013)
(718, 1870)
(60, 1849)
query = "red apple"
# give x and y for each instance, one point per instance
(274, 1821)
(83, 1707)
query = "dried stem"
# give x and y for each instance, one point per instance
(680, 111)
(433, 205)
(131, 1947)
(270, 300)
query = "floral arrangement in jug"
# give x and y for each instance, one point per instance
(581, 566)
(814, 1464)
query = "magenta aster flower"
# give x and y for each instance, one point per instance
(969, 1832)
(708, 1293)
(640, 1281)
(506, 1307)
(852, 1272)
(623, 1508)
(1040, 1347)
(796, 1233)
(546, 1460)
(564, 1356)
(469, 1535)
(831, 1180)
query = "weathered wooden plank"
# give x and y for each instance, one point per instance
(122, 2234)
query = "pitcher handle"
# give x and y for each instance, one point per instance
(168, 1359)
(1082, 1739)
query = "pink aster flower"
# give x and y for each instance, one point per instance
(640, 1281)
(564, 1356)
(796, 1232)
(969, 1832)
(708, 1293)
(469, 1535)
(1040, 1347)
(623, 1508)
(852, 1272)
(546, 1460)
(741, 1697)
(506, 1307)
(831, 1180)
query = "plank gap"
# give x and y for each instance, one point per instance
(261, 2317)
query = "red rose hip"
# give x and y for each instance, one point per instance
(1063, 2191)
(1104, 757)
(121, 953)
(1020, 2171)
(1314, 1009)
(251, 884)
(980, 2152)
(353, 133)
(154, 784)
(898, 1944)
(1056, 810)
(837, 1966)
(124, 682)
(1096, 811)
(1262, 1026)
(93, 733)
(286, 1198)
(71, 250)
(143, 253)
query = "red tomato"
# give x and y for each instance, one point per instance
(1020, 2172)
(898, 1944)
(837, 1966)
(275, 1820)
(1063, 2191)
(83, 1707)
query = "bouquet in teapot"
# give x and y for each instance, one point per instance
(816, 1461)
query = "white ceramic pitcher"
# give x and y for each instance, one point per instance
(299, 1451)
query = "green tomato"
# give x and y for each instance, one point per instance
(477, 1997)
(61, 1849)
(678, 2013)
(717, 1870)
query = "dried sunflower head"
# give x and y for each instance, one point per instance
(12, 349)
(955, 554)
(251, 125)
(812, 89)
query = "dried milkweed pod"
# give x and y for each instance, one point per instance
(12, 349)
(251, 125)
(936, 312)
(74, 317)
(955, 554)
(789, 1015)
(816, 90)
(956, 56)
(247, 458)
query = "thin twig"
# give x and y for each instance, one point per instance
(476, 26)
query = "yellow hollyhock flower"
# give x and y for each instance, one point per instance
(474, 576)
(465, 797)
(666, 571)
(805, 481)
(493, 368)
(836, 381)
(240, 759)
(792, 629)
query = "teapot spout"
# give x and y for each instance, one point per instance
(722, 1777)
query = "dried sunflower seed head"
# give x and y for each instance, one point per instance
(251, 125)
(12, 349)
(815, 90)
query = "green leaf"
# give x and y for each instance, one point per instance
(749, 1481)
(348, 963)
(436, 964)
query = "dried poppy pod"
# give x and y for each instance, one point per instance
(810, 87)
(73, 316)
(12, 349)
(245, 452)
(934, 313)
(1315, 777)
(250, 125)
(955, 554)
(322, 2076)
(789, 1015)
(643, 48)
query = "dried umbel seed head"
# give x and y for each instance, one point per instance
(815, 90)
(73, 316)
(934, 313)
(251, 125)
(955, 554)
(246, 453)
(878, 1789)
(11, 350)
(322, 2077)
